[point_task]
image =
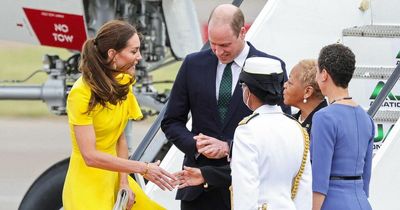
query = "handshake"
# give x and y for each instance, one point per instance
(208, 146)
(187, 177)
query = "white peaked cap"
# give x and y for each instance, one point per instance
(262, 65)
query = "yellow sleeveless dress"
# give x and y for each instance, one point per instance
(88, 188)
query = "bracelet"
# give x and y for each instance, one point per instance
(147, 169)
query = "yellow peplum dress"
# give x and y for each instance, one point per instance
(88, 188)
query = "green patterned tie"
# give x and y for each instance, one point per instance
(225, 90)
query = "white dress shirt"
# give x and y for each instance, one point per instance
(267, 154)
(236, 67)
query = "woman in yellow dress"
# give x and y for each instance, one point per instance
(99, 106)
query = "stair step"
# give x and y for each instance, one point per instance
(388, 31)
(373, 72)
(374, 51)
(387, 116)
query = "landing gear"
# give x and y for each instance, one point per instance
(46, 191)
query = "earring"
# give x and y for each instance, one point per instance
(304, 100)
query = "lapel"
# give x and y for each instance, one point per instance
(211, 80)
(237, 96)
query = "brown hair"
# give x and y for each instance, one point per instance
(96, 67)
(236, 20)
(307, 75)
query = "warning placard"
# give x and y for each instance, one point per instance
(57, 29)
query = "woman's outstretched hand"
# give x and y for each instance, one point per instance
(159, 176)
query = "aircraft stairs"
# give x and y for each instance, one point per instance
(374, 86)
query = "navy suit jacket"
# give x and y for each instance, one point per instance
(194, 91)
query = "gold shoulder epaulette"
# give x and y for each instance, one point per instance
(248, 118)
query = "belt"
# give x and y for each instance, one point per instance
(345, 177)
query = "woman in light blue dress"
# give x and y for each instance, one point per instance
(341, 137)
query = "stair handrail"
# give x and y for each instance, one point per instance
(390, 83)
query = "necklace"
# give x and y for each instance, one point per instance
(341, 99)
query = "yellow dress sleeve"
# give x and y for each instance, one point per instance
(77, 104)
(134, 112)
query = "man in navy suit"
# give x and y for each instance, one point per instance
(197, 90)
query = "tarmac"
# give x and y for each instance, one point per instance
(31, 145)
(28, 147)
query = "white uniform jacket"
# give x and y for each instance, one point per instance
(267, 154)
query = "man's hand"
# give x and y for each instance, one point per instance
(159, 176)
(189, 177)
(211, 147)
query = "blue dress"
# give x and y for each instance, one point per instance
(341, 145)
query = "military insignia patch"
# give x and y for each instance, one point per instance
(248, 118)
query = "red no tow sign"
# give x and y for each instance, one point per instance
(57, 29)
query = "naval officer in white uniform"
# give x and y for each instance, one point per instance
(270, 162)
